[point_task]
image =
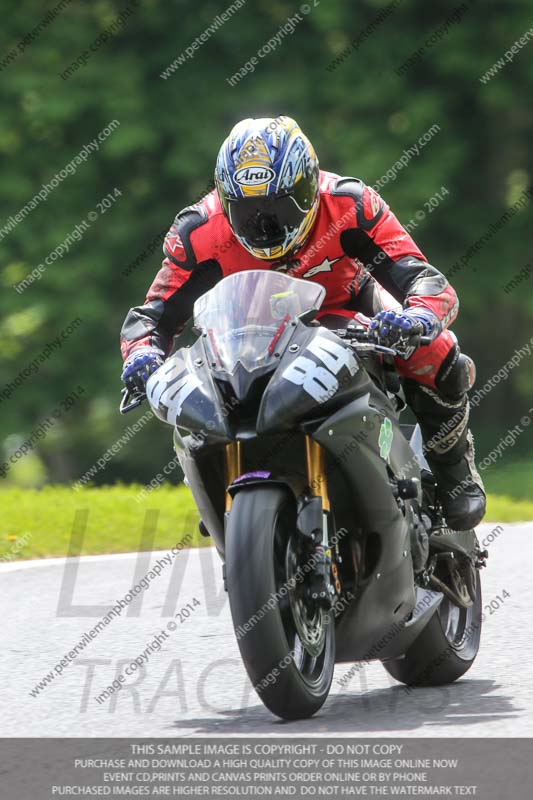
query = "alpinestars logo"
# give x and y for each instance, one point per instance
(324, 266)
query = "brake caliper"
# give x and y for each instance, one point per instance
(318, 585)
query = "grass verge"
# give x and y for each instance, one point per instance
(39, 523)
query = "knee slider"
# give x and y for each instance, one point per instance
(457, 375)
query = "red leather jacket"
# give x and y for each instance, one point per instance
(200, 249)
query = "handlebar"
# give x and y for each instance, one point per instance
(359, 340)
(130, 400)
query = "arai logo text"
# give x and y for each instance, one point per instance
(254, 176)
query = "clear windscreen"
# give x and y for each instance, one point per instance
(245, 317)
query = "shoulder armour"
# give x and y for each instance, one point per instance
(369, 206)
(177, 245)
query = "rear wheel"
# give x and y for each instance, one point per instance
(286, 643)
(446, 648)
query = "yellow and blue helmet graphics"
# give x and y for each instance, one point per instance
(267, 179)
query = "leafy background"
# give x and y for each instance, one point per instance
(360, 117)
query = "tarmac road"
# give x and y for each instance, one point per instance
(192, 681)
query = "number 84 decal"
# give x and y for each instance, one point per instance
(321, 381)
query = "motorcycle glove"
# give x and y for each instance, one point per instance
(139, 366)
(402, 330)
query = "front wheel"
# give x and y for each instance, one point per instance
(446, 648)
(287, 645)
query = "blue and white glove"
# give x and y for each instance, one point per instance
(402, 330)
(139, 366)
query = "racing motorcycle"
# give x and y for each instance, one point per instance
(319, 502)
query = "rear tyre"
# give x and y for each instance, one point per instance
(446, 648)
(288, 647)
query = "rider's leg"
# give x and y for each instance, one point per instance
(437, 379)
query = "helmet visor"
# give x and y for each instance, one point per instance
(265, 222)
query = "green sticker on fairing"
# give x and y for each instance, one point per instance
(386, 434)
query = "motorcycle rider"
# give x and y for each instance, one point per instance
(273, 208)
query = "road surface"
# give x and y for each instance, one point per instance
(192, 682)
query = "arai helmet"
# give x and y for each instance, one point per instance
(267, 179)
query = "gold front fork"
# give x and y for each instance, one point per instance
(233, 467)
(316, 472)
(318, 485)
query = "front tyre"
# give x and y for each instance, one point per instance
(287, 646)
(446, 648)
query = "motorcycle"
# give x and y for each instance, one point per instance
(321, 505)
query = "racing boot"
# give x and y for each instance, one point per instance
(448, 444)
(460, 488)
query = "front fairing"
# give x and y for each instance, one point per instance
(182, 392)
(243, 371)
(255, 360)
(316, 373)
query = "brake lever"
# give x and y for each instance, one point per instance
(371, 347)
(130, 400)
(364, 344)
(353, 334)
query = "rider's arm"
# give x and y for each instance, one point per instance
(389, 253)
(170, 299)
